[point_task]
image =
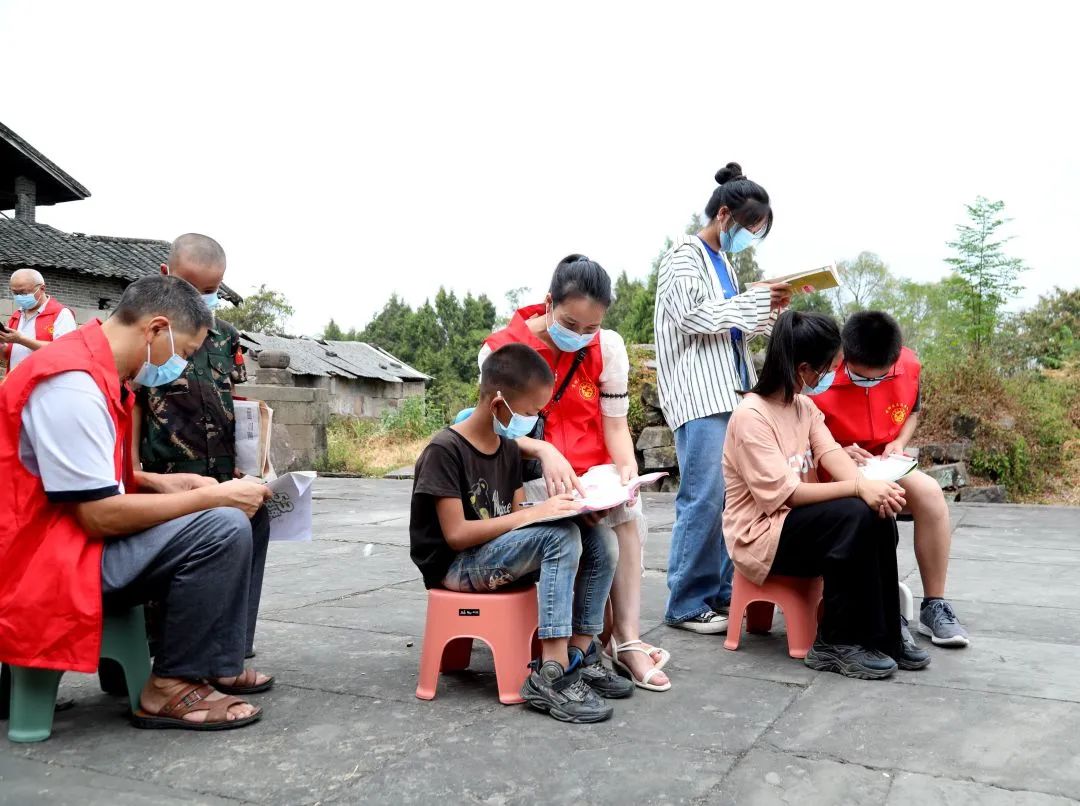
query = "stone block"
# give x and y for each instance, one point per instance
(945, 452)
(274, 377)
(659, 458)
(290, 413)
(655, 436)
(653, 416)
(669, 484)
(949, 477)
(994, 494)
(649, 395)
(273, 359)
(965, 426)
(277, 394)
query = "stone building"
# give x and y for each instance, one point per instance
(360, 379)
(87, 273)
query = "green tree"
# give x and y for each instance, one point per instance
(332, 332)
(1049, 332)
(989, 276)
(867, 283)
(262, 311)
(388, 330)
(746, 268)
(514, 298)
(820, 301)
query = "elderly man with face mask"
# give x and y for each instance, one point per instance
(38, 318)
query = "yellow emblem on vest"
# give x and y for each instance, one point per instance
(898, 412)
(587, 390)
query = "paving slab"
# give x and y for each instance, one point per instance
(1011, 742)
(913, 788)
(767, 777)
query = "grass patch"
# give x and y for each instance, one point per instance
(375, 447)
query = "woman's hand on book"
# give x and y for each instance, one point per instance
(559, 476)
(858, 455)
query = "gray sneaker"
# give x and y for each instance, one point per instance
(849, 660)
(599, 678)
(939, 623)
(911, 656)
(564, 695)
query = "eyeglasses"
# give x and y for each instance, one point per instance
(857, 378)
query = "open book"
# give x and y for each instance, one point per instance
(604, 490)
(811, 280)
(888, 468)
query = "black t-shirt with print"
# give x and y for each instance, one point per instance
(450, 467)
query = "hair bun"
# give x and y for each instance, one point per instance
(729, 173)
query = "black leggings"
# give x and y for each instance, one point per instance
(846, 542)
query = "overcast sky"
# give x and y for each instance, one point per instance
(341, 152)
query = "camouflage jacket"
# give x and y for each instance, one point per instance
(189, 426)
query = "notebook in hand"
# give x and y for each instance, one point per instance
(811, 280)
(888, 468)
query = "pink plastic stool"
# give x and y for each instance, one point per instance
(798, 597)
(506, 622)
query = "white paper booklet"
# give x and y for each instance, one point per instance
(605, 491)
(290, 505)
(888, 468)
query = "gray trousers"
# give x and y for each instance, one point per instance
(199, 567)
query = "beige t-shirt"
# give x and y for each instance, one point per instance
(770, 448)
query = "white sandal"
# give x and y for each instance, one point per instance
(665, 656)
(623, 669)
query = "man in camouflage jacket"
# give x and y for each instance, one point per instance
(189, 426)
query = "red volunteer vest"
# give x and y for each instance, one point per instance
(43, 325)
(574, 424)
(50, 589)
(873, 417)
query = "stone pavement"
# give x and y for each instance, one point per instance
(998, 723)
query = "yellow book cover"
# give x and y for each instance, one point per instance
(811, 280)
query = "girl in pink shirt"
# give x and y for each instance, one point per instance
(778, 518)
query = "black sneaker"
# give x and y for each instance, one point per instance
(911, 656)
(599, 678)
(564, 695)
(850, 660)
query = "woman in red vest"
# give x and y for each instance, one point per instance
(584, 426)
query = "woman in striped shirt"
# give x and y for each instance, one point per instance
(702, 327)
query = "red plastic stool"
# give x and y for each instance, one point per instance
(798, 597)
(506, 622)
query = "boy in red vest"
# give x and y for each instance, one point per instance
(76, 535)
(872, 408)
(37, 320)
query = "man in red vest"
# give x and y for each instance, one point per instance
(37, 320)
(76, 536)
(872, 408)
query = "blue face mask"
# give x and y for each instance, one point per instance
(154, 375)
(24, 302)
(567, 340)
(742, 239)
(822, 385)
(519, 425)
(211, 300)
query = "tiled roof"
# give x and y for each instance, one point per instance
(39, 246)
(19, 158)
(345, 359)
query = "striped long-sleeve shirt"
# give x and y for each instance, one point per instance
(696, 370)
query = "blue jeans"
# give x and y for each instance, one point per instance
(699, 569)
(574, 564)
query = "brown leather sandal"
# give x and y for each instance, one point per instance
(245, 684)
(189, 701)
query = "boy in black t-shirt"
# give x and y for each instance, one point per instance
(469, 532)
